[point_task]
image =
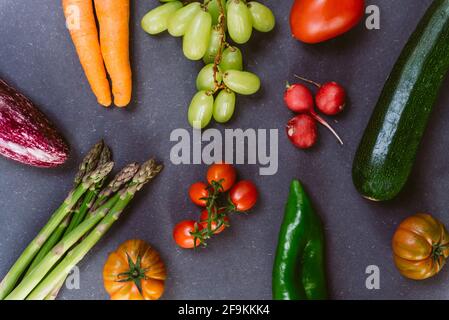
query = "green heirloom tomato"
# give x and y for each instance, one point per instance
(214, 9)
(205, 80)
(241, 82)
(231, 59)
(263, 17)
(214, 45)
(201, 109)
(156, 20)
(197, 36)
(178, 23)
(224, 106)
(239, 20)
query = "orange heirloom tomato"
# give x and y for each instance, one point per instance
(314, 21)
(134, 271)
(420, 246)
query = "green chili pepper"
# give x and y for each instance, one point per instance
(299, 270)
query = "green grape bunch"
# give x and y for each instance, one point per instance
(205, 28)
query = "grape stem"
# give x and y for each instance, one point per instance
(205, 4)
(221, 29)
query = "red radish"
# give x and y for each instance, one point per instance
(330, 98)
(302, 131)
(298, 98)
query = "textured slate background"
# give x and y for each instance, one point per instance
(37, 56)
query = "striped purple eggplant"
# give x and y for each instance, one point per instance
(26, 135)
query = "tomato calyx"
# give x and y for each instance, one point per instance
(437, 251)
(135, 273)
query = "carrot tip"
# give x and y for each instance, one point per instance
(105, 104)
(121, 103)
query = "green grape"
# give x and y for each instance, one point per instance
(239, 20)
(178, 23)
(214, 45)
(201, 109)
(227, 4)
(156, 21)
(241, 82)
(231, 59)
(205, 79)
(263, 17)
(224, 106)
(197, 36)
(167, 0)
(214, 9)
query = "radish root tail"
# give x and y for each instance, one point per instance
(327, 125)
(308, 81)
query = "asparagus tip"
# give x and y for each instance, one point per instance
(89, 162)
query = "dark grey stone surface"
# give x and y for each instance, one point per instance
(37, 56)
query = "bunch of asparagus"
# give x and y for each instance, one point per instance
(76, 226)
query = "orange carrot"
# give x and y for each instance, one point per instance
(113, 18)
(83, 29)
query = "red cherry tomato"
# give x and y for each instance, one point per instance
(243, 195)
(197, 192)
(205, 216)
(222, 172)
(182, 234)
(314, 21)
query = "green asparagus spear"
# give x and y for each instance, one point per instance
(89, 162)
(29, 253)
(50, 243)
(28, 283)
(54, 293)
(92, 194)
(116, 184)
(99, 155)
(147, 172)
(57, 251)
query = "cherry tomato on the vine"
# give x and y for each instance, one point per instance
(224, 173)
(243, 195)
(204, 221)
(182, 234)
(197, 192)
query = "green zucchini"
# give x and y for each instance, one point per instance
(388, 149)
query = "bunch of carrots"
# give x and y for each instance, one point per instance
(103, 49)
